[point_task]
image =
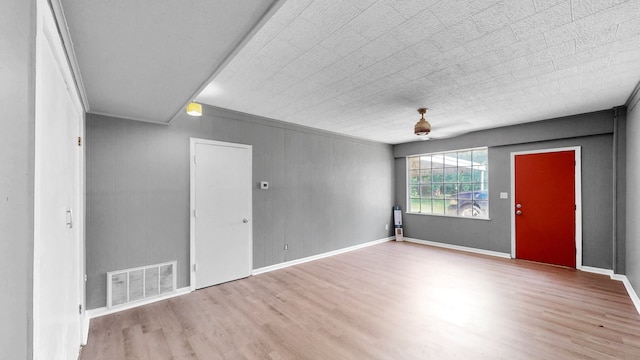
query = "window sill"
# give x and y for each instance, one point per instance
(450, 216)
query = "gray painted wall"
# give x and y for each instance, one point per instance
(633, 194)
(620, 171)
(593, 132)
(17, 45)
(326, 191)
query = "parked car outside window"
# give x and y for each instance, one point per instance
(470, 204)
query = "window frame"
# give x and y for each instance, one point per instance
(443, 153)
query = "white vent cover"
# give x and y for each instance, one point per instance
(136, 284)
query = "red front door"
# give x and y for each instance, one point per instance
(545, 219)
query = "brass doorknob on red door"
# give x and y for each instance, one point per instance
(518, 206)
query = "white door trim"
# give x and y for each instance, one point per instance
(192, 201)
(578, 196)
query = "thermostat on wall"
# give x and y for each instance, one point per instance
(264, 185)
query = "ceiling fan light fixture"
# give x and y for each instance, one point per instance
(422, 127)
(194, 109)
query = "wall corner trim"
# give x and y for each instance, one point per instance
(286, 264)
(634, 98)
(460, 248)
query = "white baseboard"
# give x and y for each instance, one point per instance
(319, 256)
(620, 277)
(596, 270)
(94, 313)
(460, 248)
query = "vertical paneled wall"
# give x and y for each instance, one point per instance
(326, 191)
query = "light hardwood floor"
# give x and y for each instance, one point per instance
(388, 301)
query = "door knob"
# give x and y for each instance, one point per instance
(518, 206)
(245, 221)
(518, 212)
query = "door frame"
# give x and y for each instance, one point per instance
(192, 201)
(578, 197)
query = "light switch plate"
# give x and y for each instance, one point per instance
(504, 195)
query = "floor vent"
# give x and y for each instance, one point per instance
(141, 283)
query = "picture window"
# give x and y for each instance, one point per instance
(453, 183)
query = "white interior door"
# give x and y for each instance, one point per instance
(57, 293)
(221, 203)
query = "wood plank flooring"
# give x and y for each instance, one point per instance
(388, 301)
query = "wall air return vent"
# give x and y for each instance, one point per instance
(141, 283)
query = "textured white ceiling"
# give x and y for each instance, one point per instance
(363, 67)
(144, 60)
